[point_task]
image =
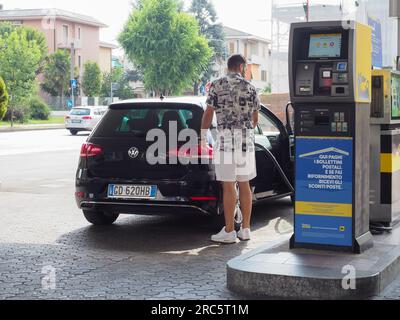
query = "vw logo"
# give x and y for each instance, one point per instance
(133, 153)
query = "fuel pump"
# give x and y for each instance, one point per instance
(330, 89)
(385, 149)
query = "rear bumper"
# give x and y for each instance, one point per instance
(173, 197)
(147, 208)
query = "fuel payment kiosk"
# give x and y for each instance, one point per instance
(330, 88)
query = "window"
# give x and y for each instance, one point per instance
(79, 33)
(137, 121)
(80, 61)
(231, 48)
(263, 75)
(246, 50)
(254, 49)
(65, 34)
(80, 112)
(266, 125)
(264, 51)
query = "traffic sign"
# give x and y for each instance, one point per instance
(74, 83)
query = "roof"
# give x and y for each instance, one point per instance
(30, 14)
(108, 45)
(231, 33)
(200, 101)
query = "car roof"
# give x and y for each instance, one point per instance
(199, 101)
(89, 107)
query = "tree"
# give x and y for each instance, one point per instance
(91, 81)
(31, 35)
(117, 76)
(56, 74)
(3, 98)
(19, 62)
(165, 44)
(206, 16)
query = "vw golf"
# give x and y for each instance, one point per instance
(115, 176)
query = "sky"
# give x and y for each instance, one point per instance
(252, 16)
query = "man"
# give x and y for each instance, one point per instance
(236, 104)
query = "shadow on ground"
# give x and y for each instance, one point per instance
(152, 234)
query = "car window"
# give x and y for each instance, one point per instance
(80, 112)
(137, 121)
(267, 125)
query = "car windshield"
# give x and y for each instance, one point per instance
(138, 120)
(80, 112)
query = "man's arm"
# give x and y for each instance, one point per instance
(206, 123)
(255, 118)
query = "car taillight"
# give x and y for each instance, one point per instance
(90, 150)
(67, 117)
(87, 118)
(198, 152)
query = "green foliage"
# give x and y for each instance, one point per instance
(122, 79)
(91, 81)
(206, 15)
(19, 113)
(56, 74)
(4, 98)
(39, 110)
(31, 35)
(267, 89)
(19, 63)
(165, 44)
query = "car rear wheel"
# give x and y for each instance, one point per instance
(99, 218)
(74, 132)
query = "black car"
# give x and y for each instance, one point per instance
(114, 176)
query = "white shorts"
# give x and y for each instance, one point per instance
(235, 166)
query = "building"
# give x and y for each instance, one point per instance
(257, 52)
(64, 29)
(106, 56)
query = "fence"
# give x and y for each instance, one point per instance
(61, 103)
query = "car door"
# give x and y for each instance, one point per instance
(271, 134)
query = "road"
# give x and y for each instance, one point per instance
(41, 230)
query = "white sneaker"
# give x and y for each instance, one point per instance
(244, 234)
(224, 237)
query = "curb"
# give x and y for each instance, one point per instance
(32, 128)
(261, 274)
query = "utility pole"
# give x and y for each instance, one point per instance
(72, 77)
(306, 6)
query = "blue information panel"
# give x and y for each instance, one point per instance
(324, 191)
(377, 49)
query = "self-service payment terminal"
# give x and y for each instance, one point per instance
(330, 88)
(385, 148)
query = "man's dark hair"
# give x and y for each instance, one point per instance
(235, 61)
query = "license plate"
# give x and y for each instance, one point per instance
(76, 121)
(116, 191)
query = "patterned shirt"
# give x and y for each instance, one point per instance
(234, 100)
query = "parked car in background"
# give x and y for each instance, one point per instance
(84, 118)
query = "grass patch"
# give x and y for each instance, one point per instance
(52, 120)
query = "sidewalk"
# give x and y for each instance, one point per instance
(31, 127)
(274, 271)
